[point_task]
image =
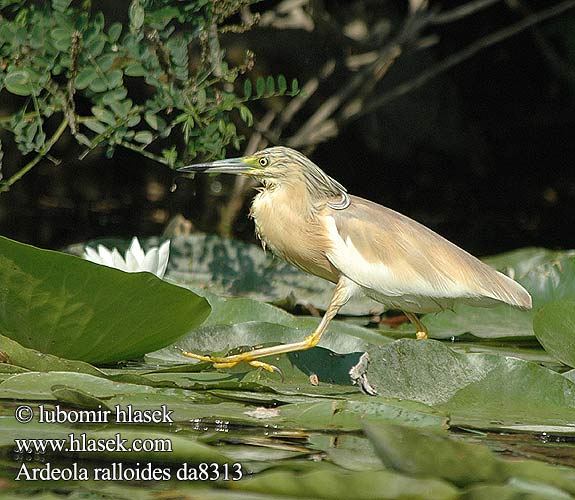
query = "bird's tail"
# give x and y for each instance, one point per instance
(509, 291)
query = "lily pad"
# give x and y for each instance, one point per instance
(34, 386)
(517, 263)
(479, 390)
(495, 322)
(38, 361)
(430, 453)
(59, 304)
(554, 326)
(350, 415)
(337, 484)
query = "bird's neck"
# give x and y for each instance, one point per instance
(290, 223)
(285, 196)
(278, 206)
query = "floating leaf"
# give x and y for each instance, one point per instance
(479, 390)
(59, 304)
(335, 484)
(494, 322)
(408, 450)
(38, 361)
(554, 326)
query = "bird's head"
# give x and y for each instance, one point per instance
(270, 164)
(277, 165)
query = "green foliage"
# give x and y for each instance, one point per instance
(279, 427)
(61, 57)
(554, 325)
(66, 306)
(478, 390)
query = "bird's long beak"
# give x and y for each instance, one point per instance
(227, 166)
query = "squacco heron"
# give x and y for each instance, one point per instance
(309, 219)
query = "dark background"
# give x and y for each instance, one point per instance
(482, 154)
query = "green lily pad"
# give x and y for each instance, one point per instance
(35, 386)
(430, 453)
(495, 322)
(551, 280)
(337, 484)
(350, 415)
(516, 490)
(59, 304)
(554, 326)
(349, 451)
(38, 361)
(517, 263)
(479, 390)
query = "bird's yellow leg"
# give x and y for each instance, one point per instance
(422, 333)
(341, 295)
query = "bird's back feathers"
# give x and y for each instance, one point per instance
(402, 263)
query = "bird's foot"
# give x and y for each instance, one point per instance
(421, 335)
(231, 361)
(421, 330)
(311, 340)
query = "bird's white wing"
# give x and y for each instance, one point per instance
(391, 256)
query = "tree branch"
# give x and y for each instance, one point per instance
(459, 57)
(462, 11)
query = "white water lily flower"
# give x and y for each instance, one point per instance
(153, 261)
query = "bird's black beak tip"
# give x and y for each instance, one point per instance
(192, 168)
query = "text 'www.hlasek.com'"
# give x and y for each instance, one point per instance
(58, 443)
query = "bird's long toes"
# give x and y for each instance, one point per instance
(267, 367)
(199, 357)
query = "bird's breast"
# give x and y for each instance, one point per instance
(285, 227)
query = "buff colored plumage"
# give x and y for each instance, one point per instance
(310, 220)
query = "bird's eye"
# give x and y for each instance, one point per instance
(264, 162)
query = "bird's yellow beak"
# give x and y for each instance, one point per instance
(227, 166)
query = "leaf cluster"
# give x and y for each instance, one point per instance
(160, 79)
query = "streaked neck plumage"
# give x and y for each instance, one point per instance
(289, 221)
